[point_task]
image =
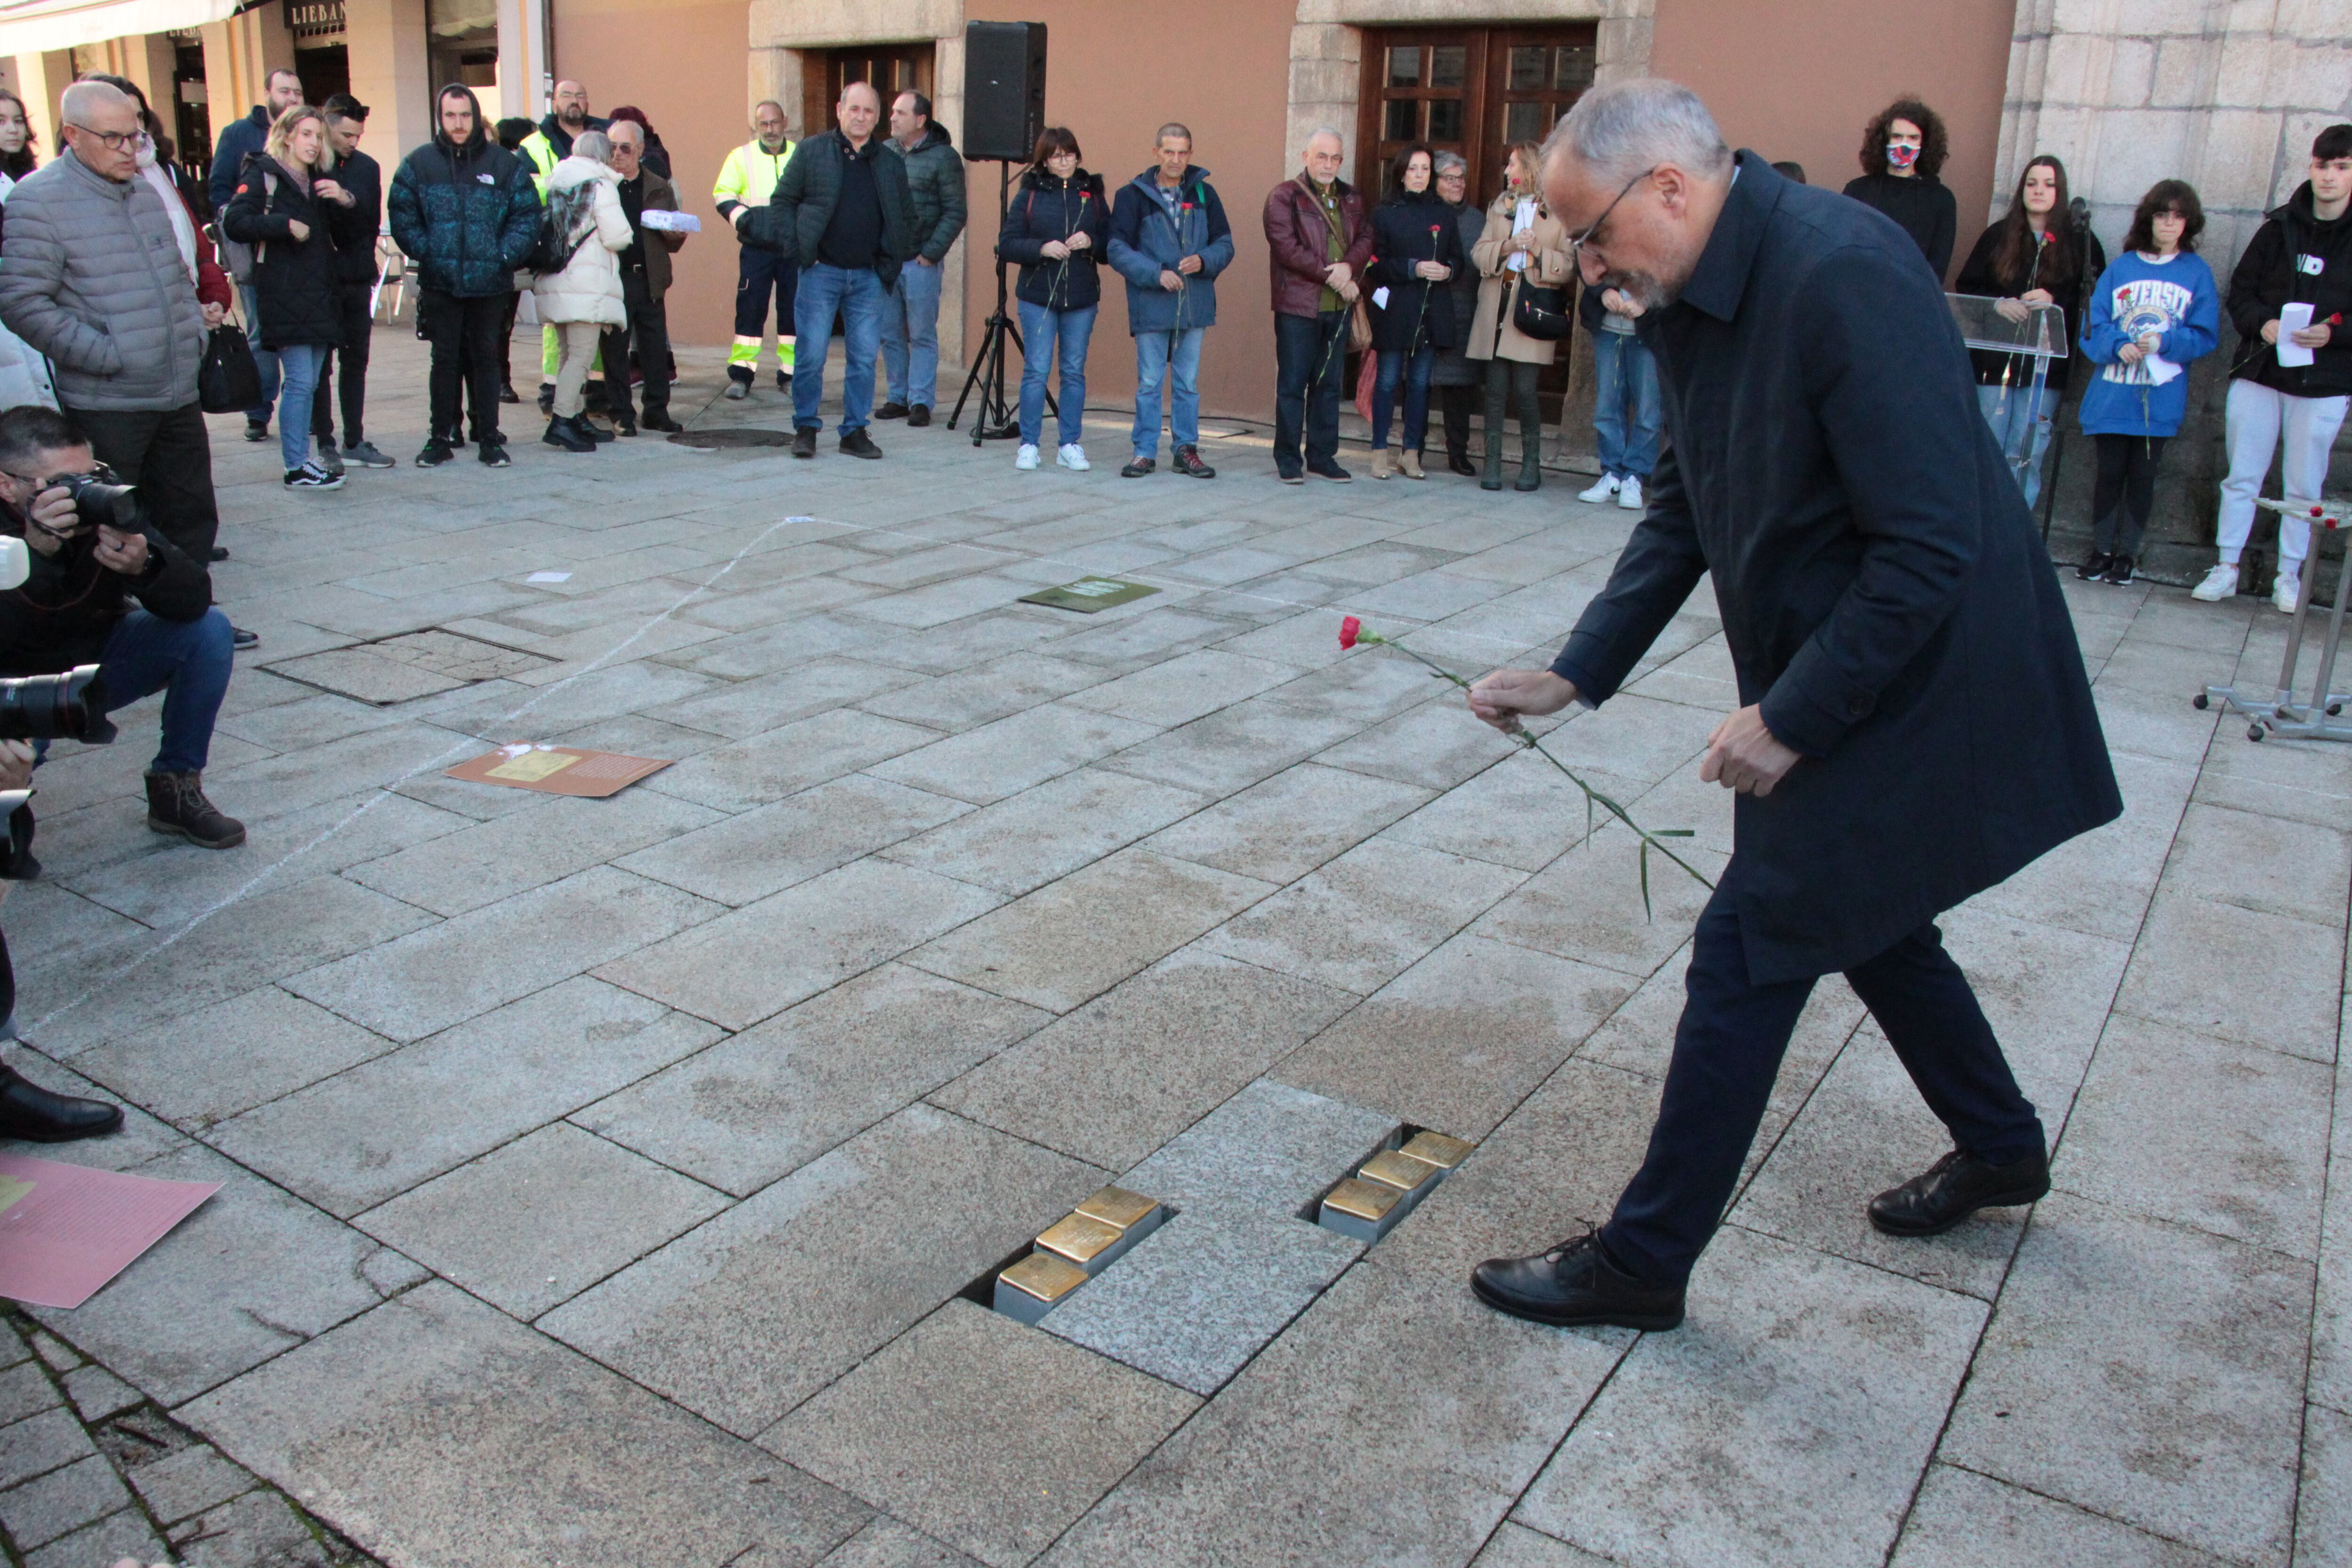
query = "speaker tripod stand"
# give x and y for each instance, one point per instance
(996, 418)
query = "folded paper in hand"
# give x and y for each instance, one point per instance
(2293, 318)
(674, 223)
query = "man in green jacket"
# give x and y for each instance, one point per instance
(910, 315)
(843, 212)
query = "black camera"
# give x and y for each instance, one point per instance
(99, 500)
(71, 705)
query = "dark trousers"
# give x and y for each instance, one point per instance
(649, 329)
(762, 277)
(1309, 364)
(467, 331)
(1457, 402)
(2125, 491)
(352, 302)
(169, 456)
(1727, 1051)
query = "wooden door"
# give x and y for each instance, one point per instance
(1471, 90)
(892, 69)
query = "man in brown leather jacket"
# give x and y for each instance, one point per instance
(1314, 226)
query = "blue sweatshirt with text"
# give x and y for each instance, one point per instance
(2138, 295)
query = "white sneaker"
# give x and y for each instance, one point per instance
(2219, 585)
(1600, 492)
(1026, 458)
(1073, 456)
(2286, 592)
(1629, 493)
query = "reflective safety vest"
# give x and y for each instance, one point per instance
(749, 176)
(541, 153)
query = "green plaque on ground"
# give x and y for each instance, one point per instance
(1088, 595)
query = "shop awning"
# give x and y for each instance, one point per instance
(32, 26)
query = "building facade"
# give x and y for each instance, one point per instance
(2226, 93)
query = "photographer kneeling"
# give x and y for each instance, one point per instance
(91, 555)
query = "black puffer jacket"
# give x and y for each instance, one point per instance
(293, 280)
(1408, 229)
(2294, 257)
(69, 603)
(1047, 207)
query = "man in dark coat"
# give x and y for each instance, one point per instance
(1318, 242)
(843, 211)
(239, 140)
(355, 278)
(1915, 725)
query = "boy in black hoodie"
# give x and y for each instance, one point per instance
(2303, 255)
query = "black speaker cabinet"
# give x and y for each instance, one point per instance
(1003, 88)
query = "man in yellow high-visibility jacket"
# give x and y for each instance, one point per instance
(748, 179)
(544, 148)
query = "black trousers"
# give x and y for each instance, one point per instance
(1727, 1051)
(2125, 492)
(648, 328)
(168, 455)
(1310, 356)
(761, 277)
(464, 333)
(359, 322)
(1457, 402)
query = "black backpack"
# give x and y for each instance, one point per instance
(558, 243)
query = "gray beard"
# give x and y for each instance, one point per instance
(1644, 288)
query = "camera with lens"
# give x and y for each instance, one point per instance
(99, 500)
(70, 705)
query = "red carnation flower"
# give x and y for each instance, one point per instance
(1348, 630)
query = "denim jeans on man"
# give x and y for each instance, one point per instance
(1413, 374)
(1040, 329)
(300, 363)
(188, 662)
(2017, 417)
(265, 359)
(1309, 363)
(911, 337)
(1154, 363)
(1626, 415)
(858, 295)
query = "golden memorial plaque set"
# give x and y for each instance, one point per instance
(1076, 1249)
(1370, 1204)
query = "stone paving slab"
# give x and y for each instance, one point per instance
(406, 1426)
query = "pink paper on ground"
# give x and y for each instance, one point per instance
(66, 1230)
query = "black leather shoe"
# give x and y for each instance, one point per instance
(859, 444)
(1460, 463)
(891, 411)
(29, 1111)
(1954, 1187)
(660, 420)
(919, 416)
(1331, 471)
(219, 552)
(1573, 1285)
(804, 441)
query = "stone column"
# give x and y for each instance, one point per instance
(239, 55)
(391, 73)
(41, 79)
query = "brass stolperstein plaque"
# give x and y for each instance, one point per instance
(1043, 1276)
(1117, 1206)
(1438, 1149)
(1368, 1200)
(1396, 1170)
(1079, 1238)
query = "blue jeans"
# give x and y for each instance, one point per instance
(859, 295)
(1393, 369)
(188, 662)
(1626, 417)
(1727, 1051)
(1153, 364)
(2016, 417)
(1039, 329)
(301, 363)
(265, 359)
(910, 336)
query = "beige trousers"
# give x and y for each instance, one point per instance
(576, 343)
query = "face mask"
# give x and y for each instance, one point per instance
(1901, 156)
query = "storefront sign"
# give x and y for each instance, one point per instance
(314, 18)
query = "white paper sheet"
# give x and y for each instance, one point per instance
(676, 222)
(1381, 299)
(2293, 318)
(2160, 369)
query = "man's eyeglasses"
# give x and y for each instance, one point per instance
(116, 140)
(1584, 236)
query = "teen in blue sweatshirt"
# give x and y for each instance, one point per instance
(2155, 310)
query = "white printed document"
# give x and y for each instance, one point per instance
(673, 223)
(2293, 319)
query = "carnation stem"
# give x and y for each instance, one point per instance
(1649, 839)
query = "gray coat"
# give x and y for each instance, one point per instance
(1454, 366)
(935, 182)
(92, 278)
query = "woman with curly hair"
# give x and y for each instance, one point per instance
(1903, 149)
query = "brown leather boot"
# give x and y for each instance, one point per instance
(176, 803)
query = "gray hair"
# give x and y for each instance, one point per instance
(84, 96)
(1449, 163)
(1330, 131)
(1173, 128)
(1619, 130)
(592, 144)
(636, 133)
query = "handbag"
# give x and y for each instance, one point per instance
(1359, 327)
(235, 255)
(1542, 313)
(228, 380)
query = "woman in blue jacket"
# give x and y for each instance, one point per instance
(2154, 311)
(1056, 230)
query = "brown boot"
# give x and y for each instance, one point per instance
(176, 803)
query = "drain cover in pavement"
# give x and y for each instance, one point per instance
(732, 436)
(416, 664)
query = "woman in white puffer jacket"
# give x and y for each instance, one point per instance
(586, 298)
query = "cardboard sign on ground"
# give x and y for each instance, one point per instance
(66, 1230)
(558, 770)
(1088, 595)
